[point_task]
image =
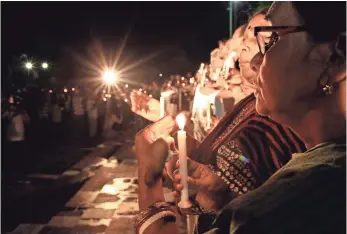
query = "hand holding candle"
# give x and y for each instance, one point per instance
(182, 149)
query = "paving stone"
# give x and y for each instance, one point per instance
(113, 159)
(110, 165)
(104, 197)
(70, 213)
(55, 230)
(108, 205)
(87, 162)
(101, 177)
(130, 199)
(94, 158)
(128, 208)
(85, 229)
(63, 221)
(118, 186)
(125, 152)
(95, 222)
(90, 226)
(126, 169)
(82, 199)
(28, 229)
(121, 225)
(44, 176)
(71, 173)
(97, 213)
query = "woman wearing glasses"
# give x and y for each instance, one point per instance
(301, 84)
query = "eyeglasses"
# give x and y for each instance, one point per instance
(266, 42)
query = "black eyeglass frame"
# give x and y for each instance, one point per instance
(277, 31)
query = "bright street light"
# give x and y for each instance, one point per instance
(29, 65)
(160, 75)
(44, 65)
(110, 77)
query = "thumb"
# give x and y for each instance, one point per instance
(197, 183)
(160, 150)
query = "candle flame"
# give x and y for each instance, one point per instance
(181, 121)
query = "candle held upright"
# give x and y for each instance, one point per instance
(182, 149)
(162, 107)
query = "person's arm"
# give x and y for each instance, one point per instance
(148, 195)
(292, 200)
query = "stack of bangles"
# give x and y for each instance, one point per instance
(159, 210)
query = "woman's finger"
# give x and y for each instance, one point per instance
(176, 194)
(178, 164)
(178, 187)
(176, 176)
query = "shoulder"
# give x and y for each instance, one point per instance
(294, 194)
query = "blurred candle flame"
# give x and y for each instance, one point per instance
(181, 121)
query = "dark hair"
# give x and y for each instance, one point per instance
(325, 21)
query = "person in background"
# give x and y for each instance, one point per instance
(56, 118)
(43, 116)
(117, 115)
(92, 112)
(17, 118)
(78, 108)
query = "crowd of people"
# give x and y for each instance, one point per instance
(272, 159)
(35, 121)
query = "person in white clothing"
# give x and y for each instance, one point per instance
(92, 112)
(56, 118)
(15, 150)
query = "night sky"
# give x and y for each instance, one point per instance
(181, 34)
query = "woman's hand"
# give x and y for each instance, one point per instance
(212, 192)
(145, 106)
(151, 147)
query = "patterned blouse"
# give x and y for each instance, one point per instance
(247, 148)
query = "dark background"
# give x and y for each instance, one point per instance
(176, 36)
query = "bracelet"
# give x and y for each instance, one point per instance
(195, 209)
(150, 211)
(157, 216)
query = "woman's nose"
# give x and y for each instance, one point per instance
(256, 62)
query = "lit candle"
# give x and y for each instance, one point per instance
(182, 150)
(208, 115)
(162, 107)
(232, 62)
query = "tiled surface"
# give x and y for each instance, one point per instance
(28, 229)
(63, 221)
(82, 199)
(106, 203)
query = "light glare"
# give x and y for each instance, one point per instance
(28, 65)
(181, 121)
(44, 65)
(110, 77)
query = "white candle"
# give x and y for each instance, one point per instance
(208, 115)
(232, 62)
(162, 107)
(182, 150)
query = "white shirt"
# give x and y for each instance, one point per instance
(56, 114)
(15, 129)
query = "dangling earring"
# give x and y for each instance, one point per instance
(323, 84)
(328, 89)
